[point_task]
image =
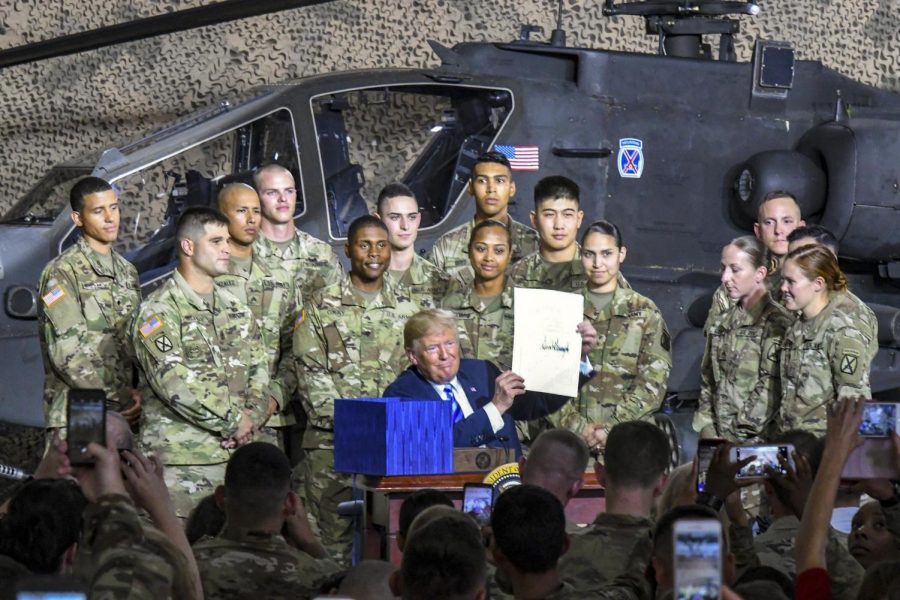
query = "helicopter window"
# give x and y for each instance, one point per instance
(152, 199)
(426, 136)
(46, 199)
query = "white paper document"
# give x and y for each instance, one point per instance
(546, 347)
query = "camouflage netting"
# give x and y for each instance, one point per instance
(56, 109)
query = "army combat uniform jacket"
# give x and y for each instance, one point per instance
(721, 301)
(740, 373)
(86, 307)
(632, 361)
(424, 283)
(533, 272)
(823, 360)
(311, 261)
(274, 298)
(450, 252)
(486, 329)
(206, 366)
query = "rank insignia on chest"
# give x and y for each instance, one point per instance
(150, 326)
(54, 296)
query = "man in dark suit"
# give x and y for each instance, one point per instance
(486, 402)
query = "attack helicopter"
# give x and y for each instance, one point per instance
(677, 148)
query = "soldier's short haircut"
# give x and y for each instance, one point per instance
(492, 157)
(268, 168)
(775, 195)
(636, 454)
(425, 322)
(556, 187)
(193, 221)
(228, 188)
(529, 526)
(416, 503)
(558, 450)
(663, 533)
(604, 227)
(207, 519)
(818, 261)
(820, 234)
(491, 223)
(393, 190)
(362, 222)
(86, 187)
(257, 479)
(444, 559)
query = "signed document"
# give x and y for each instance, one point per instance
(546, 347)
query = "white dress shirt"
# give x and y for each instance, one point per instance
(493, 413)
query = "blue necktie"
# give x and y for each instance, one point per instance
(449, 395)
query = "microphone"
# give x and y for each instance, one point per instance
(15, 473)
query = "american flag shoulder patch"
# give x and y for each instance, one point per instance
(521, 158)
(151, 325)
(54, 296)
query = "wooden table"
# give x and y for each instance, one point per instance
(385, 495)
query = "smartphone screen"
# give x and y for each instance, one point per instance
(478, 500)
(879, 419)
(51, 596)
(766, 456)
(698, 559)
(706, 449)
(86, 423)
(50, 587)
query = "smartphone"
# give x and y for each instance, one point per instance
(879, 419)
(478, 501)
(766, 456)
(697, 559)
(706, 449)
(50, 587)
(86, 423)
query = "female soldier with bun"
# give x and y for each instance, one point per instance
(826, 354)
(740, 372)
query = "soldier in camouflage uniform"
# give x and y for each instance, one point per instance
(632, 357)
(200, 350)
(777, 218)
(312, 262)
(492, 186)
(272, 294)
(348, 343)
(484, 307)
(250, 558)
(409, 273)
(89, 294)
(740, 373)
(827, 352)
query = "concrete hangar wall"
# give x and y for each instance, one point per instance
(58, 108)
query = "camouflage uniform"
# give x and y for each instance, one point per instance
(450, 252)
(534, 272)
(613, 546)
(632, 362)
(486, 330)
(258, 565)
(84, 314)
(824, 359)
(775, 548)
(423, 282)
(311, 261)
(721, 301)
(205, 366)
(740, 372)
(274, 299)
(344, 348)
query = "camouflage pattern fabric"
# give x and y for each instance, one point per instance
(857, 310)
(344, 348)
(824, 359)
(775, 548)
(424, 283)
(740, 372)
(613, 547)
(122, 564)
(311, 261)
(534, 272)
(258, 565)
(275, 300)
(450, 252)
(83, 315)
(486, 330)
(322, 490)
(189, 484)
(632, 361)
(721, 301)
